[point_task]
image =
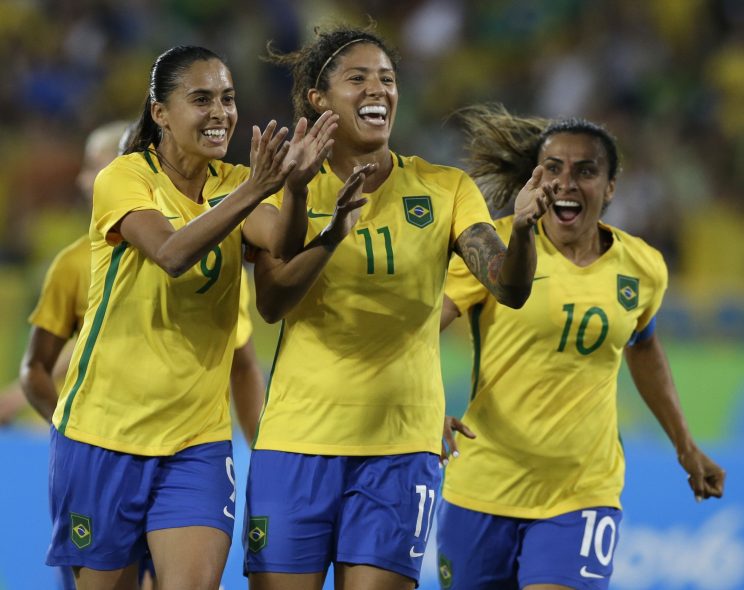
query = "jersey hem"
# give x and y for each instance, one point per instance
(347, 450)
(155, 451)
(530, 513)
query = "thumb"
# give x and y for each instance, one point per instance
(536, 177)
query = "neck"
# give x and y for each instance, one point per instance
(343, 160)
(584, 248)
(187, 173)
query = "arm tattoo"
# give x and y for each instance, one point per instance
(483, 252)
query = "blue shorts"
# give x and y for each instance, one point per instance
(305, 512)
(103, 502)
(478, 551)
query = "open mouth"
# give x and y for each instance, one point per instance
(374, 114)
(567, 210)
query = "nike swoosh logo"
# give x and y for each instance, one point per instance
(414, 553)
(313, 214)
(226, 512)
(587, 574)
(539, 278)
(172, 216)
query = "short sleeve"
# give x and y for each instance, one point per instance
(658, 279)
(55, 311)
(462, 287)
(119, 189)
(470, 207)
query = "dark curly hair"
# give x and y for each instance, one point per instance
(312, 64)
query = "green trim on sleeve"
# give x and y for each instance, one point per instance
(90, 342)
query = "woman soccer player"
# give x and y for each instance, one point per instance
(141, 453)
(533, 501)
(345, 468)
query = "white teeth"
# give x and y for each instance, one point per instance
(373, 109)
(565, 203)
(214, 132)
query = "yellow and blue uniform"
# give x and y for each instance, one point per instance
(543, 399)
(357, 365)
(149, 373)
(141, 437)
(355, 402)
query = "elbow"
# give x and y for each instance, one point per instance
(270, 313)
(173, 265)
(514, 297)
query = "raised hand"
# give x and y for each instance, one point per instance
(534, 200)
(309, 149)
(269, 170)
(348, 205)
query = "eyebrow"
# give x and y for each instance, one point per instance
(588, 161)
(366, 69)
(210, 92)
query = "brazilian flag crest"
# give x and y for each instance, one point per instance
(627, 291)
(445, 572)
(81, 530)
(418, 210)
(258, 530)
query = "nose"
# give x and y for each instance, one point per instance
(218, 110)
(375, 87)
(567, 180)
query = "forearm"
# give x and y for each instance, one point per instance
(652, 376)
(280, 285)
(291, 226)
(506, 272)
(182, 249)
(39, 389)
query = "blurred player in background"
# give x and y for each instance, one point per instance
(345, 467)
(141, 453)
(533, 501)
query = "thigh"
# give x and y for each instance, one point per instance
(387, 511)
(194, 488)
(120, 579)
(98, 501)
(189, 558)
(292, 504)
(363, 577)
(475, 550)
(575, 549)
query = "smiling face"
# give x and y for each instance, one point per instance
(362, 90)
(199, 116)
(579, 162)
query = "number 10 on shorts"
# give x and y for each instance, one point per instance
(595, 531)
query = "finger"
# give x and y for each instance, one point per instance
(319, 124)
(351, 205)
(549, 192)
(299, 130)
(268, 132)
(277, 140)
(278, 162)
(450, 440)
(463, 428)
(536, 177)
(255, 141)
(698, 485)
(329, 127)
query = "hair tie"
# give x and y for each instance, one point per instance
(334, 54)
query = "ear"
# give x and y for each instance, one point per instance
(609, 193)
(317, 100)
(158, 114)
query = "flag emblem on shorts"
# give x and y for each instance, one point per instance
(258, 530)
(418, 210)
(81, 530)
(627, 291)
(445, 572)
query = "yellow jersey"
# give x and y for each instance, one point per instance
(356, 371)
(543, 401)
(64, 295)
(150, 370)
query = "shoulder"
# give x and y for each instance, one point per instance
(72, 257)
(229, 173)
(439, 173)
(641, 253)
